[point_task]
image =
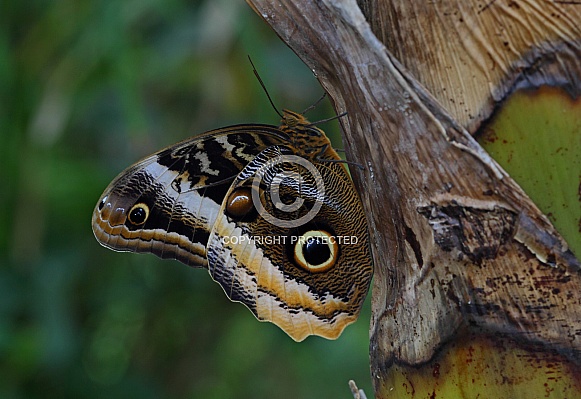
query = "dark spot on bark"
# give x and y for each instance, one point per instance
(476, 233)
(410, 237)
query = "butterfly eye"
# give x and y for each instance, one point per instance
(138, 214)
(316, 251)
(239, 203)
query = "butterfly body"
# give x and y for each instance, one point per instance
(261, 207)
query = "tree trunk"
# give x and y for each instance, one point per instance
(458, 246)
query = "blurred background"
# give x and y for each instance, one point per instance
(87, 88)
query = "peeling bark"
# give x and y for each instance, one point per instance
(471, 54)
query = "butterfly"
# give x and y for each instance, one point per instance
(270, 211)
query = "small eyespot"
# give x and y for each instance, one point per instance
(138, 214)
(102, 203)
(316, 251)
(239, 203)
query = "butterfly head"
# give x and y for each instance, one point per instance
(309, 141)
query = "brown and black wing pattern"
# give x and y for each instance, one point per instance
(256, 261)
(167, 203)
(307, 270)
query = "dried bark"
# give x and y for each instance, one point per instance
(457, 244)
(471, 54)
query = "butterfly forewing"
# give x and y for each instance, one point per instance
(181, 192)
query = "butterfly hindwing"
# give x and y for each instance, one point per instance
(259, 263)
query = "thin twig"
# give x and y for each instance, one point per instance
(357, 393)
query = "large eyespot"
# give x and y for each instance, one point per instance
(239, 203)
(138, 214)
(316, 251)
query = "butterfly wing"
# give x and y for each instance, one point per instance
(167, 203)
(262, 257)
(187, 200)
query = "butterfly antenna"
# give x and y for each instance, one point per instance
(329, 119)
(315, 104)
(264, 87)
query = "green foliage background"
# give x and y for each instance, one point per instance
(88, 87)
